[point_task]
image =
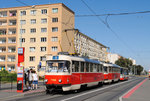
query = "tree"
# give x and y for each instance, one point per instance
(124, 62)
(139, 69)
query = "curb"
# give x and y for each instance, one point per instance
(120, 98)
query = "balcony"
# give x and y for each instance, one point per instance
(2, 40)
(3, 14)
(12, 22)
(11, 49)
(11, 59)
(3, 22)
(11, 40)
(2, 49)
(2, 58)
(12, 13)
(3, 31)
(12, 31)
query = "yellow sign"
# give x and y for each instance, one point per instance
(53, 79)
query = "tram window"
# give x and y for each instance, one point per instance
(105, 70)
(87, 67)
(110, 69)
(82, 66)
(75, 66)
(121, 70)
(94, 68)
(58, 66)
(91, 67)
(101, 66)
(97, 66)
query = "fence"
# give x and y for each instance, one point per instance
(7, 82)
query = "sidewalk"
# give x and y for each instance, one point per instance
(141, 92)
(11, 94)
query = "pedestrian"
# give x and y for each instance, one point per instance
(30, 78)
(26, 79)
(35, 80)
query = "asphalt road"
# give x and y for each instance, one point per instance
(110, 92)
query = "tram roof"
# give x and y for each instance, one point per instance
(110, 64)
(75, 58)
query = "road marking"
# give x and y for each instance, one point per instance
(95, 90)
(120, 98)
(128, 94)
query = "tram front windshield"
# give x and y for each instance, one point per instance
(58, 66)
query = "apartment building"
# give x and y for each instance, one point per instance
(8, 39)
(39, 29)
(76, 42)
(42, 30)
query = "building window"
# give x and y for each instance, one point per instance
(54, 19)
(31, 67)
(43, 49)
(23, 13)
(42, 58)
(22, 31)
(54, 29)
(32, 58)
(43, 30)
(32, 40)
(33, 21)
(55, 10)
(44, 20)
(32, 49)
(54, 39)
(54, 48)
(22, 40)
(33, 12)
(22, 22)
(44, 11)
(33, 30)
(43, 39)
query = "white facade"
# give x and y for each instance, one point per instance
(89, 47)
(113, 57)
(133, 61)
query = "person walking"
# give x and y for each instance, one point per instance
(35, 80)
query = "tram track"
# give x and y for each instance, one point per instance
(112, 90)
(100, 90)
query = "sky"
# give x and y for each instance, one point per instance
(131, 33)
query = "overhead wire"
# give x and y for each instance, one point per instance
(114, 14)
(108, 26)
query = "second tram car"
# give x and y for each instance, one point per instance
(111, 73)
(64, 72)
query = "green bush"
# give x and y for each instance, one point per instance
(8, 77)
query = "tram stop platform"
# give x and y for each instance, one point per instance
(140, 92)
(10, 94)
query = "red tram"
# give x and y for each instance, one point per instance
(124, 73)
(66, 73)
(111, 73)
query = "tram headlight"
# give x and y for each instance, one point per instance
(59, 80)
(45, 80)
(67, 80)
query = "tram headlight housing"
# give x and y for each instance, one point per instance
(45, 80)
(59, 80)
